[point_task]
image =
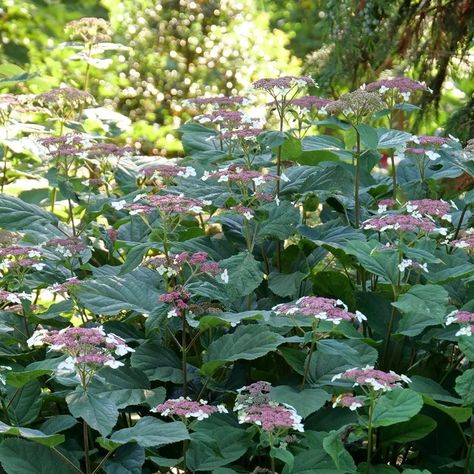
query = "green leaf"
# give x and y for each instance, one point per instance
(247, 342)
(392, 139)
(331, 234)
(284, 456)
(244, 274)
(110, 295)
(465, 386)
(458, 414)
(128, 459)
(285, 284)
(17, 215)
(412, 430)
(149, 432)
(368, 136)
(422, 306)
(158, 362)
(19, 456)
(334, 446)
(33, 435)
(127, 386)
(281, 221)
(396, 406)
(99, 412)
(466, 344)
(58, 423)
(305, 401)
(24, 404)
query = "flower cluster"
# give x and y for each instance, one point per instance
(430, 207)
(64, 102)
(179, 299)
(234, 173)
(348, 401)
(90, 30)
(227, 119)
(319, 308)
(65, 286)
(282, 85)
(466, 241)
(465, 318)
(219, 101)
(403, 85)
(67, 247)
(246, 134)
(172, 203)
(16, 256)
(11, 297)
(253, 405)
(384, 204)
(358, 104)
(400, 222)
(311, 102)
(88, 349)
(409, 263)
(169, 171)
(174, 264)
(186, 408)
(373, 378)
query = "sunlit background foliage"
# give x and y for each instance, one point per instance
(186, 48)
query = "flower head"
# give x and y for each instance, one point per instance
(401, 84)
(357, 104)
(90, 30)
(373, 378)
(64, 101)
(399, 222)
(186, 408)
(319, 308)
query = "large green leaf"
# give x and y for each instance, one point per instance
(98, 411)
(244, 274)
(18, 215)
(149, 432)
(414, 429)
(127, 386)
(24, 404)
(19, 456)
(280, 221)
(127, 459)
(247, 342)
(422, 306)
(396, 406)
(305, 401)
(465, 386)
(110, 295)
(158, 362)
(33, 435)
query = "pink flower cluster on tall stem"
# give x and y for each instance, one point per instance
(374, 379)
(185, 408)
(320, 308)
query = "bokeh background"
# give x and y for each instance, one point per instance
(177, 49)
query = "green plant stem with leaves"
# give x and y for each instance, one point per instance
(357, 156)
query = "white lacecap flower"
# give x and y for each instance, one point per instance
(404, 264)
(284, 178)
(224, 276)
(277, 200)
(172, 313)
(383, 89)
(113, 363)
(465, 331)
(258, 180)
(196, 209)
(405, 96)
(66, 366)
(248, 215)
(36, 338)
(360, 316)
(137, 197)
(432, 155)
(118, 205)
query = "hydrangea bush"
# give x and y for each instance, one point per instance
(294, 295)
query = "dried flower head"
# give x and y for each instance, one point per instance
(283, 84)
(90, 30)
(357, 104)
(64, 102)
(401, 84)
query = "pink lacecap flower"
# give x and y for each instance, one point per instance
(430, 140)
(402, 84)
(399, 222)
(187, 408)
(416, 151)
(72, 245)
(235, 173)
(460, 317)
(178, 298)
(348, 401)
(219, 101)
(321, 308)
(283, 82)
(430, 207)
(243, 133)
(271, 417)
(310, 102)
(387, 203)
(373, 378)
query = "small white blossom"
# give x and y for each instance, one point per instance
(118, 205)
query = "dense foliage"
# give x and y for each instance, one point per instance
(294, 295)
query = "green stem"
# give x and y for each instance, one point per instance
(53, 193)
(370, 435)
(85, 436)
(183, 354)
(394, 174)
(65, 459)
(102, 462)
(4, 172)
(308, 363)
(5, 410)
(357, 181)
(185, 449)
